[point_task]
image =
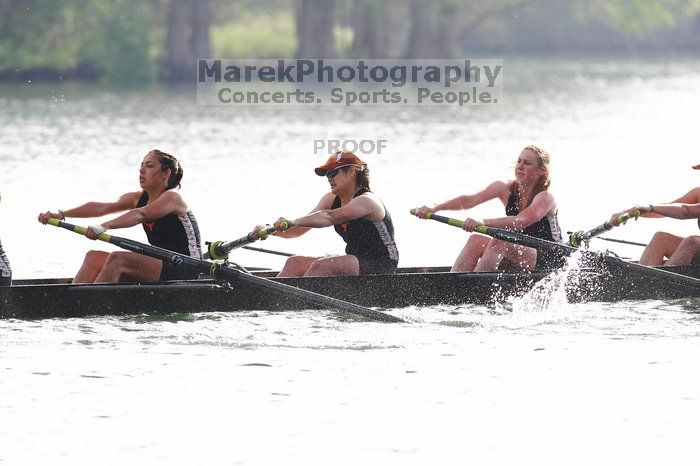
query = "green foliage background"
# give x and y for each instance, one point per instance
(123, 41)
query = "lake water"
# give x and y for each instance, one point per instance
(534, 381)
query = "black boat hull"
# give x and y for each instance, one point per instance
(39, 299)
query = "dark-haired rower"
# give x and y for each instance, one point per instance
(357, 215)
(166, 219)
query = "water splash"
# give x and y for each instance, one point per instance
(547, 301)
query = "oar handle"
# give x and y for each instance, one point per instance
(219, 250)
(77, 229)
(439, 218)
(579, 237)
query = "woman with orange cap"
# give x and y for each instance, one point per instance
(356, 214)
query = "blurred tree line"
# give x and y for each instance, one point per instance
(145, 40)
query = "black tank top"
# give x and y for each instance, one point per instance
(545, 228)
(179, 233)
(365, 238)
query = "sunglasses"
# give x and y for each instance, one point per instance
(330, 174)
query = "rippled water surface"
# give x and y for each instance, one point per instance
(534, 380)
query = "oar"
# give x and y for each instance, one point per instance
(577, 238)
(221, 271)
(269, 251)
(219, 250)
(564, 249)
(615, 240)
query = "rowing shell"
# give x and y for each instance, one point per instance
(36, 299)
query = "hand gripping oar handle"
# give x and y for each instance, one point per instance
(219, 250)
(223, 272)
(564, 249)
(579, 237)
(439, 218)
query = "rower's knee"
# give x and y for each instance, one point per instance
(321, 266)
(661, 237)
(498, 245)
(296, 266)
(478, 241)
(691, 242)
(296, 262)
(317, 267)
(94, 256)
(116, 259)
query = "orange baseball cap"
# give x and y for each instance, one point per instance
(337, 160)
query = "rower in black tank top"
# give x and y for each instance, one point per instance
(178, 233)
(546, 228)
(371, 242)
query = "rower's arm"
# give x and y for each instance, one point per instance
(98, 209)
(359, 207)
(497, 189)
(541, 205)
(296, 231)
(167, 203)
(691, 197)
(676, 210)
(95, 209)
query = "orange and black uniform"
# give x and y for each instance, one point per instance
(178, 233)
(371, 242)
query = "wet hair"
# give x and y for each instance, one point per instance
(169, 162)
(362, 177)
(544, 181)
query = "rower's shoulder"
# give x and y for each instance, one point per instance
(498, 189)
(500, 186)
(171, 195)
(327, 199)
(130, 200)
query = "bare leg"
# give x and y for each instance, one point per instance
(661, 246)
(131, 264)
(524, 258)
(337, 265)
(471, 253)
(296, 266)
(92, 264)
(685, 252)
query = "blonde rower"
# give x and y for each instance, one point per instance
(530, 209)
